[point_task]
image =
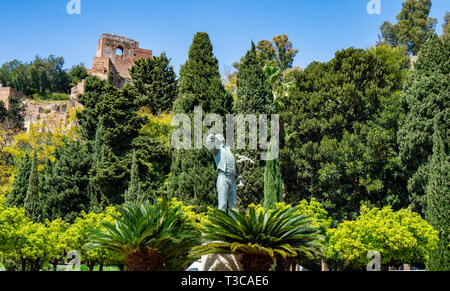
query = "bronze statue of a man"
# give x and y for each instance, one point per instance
(226, 165)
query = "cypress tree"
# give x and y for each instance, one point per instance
(438, 198)
(273, 192)
(93, 190)
(425, 96)
(193, 177)
(67, 194)
(116, 111)
(19, 189)
(31, 203)
(200, 83)
(154, 83)
(254, 96)
(132, 194)
(46, 187)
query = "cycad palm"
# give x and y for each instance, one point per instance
(261, 236)
(150, 237)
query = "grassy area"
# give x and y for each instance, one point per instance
(51, 97)
(86, 269)
(61, 268)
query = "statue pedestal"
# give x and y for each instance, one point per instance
(221, 262)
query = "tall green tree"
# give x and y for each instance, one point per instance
(438, 197)
(273, 191)
(43, 75)
(278, 52)
(193, 175)
(200, 82)
(132, 195)
(413, 28)
(116, 111)
(155, 83)
(77, 74)
(32, 201)
(16, 196)
(426, 96)
(446, 26)
(340, 123)
(93, 190)
(66, 192)
(254, 96)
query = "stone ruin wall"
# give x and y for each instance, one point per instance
(8, 92)
(52, 113)
(107, 60)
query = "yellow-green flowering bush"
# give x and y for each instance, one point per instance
(401, 237)
(78, 236)
(33, 245)
(197, 219)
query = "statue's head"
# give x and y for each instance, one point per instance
(216, 141)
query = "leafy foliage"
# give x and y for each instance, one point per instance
(425, 97)
(278, 52)
(16, 196)
(254, 96)
(116, 112)
(79, 233)
(401, 237)
(154, 83)
(414, 26)
(77, 74)
(156, 227)
(31, 244)
(64, 183)
(193, 175)
(32, 199)
(279, 233)
(43, 75)
(340, 123)
(438, 198)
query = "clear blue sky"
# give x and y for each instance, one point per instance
(318, 28)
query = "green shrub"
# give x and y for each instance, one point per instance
(151, 237)
(262, 237)
(51, 97)
(401, 237)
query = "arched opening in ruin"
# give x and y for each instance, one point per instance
(119, 51)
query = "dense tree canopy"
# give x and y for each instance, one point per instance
(425, 97)
(438, 196)
(193, 177)
(254, 96)
(115, 111)
(16, 196)
(414, 26)
(43, 75)
(154, 83)
(278, 52)
(77, 74)
(64, 187)
(340, 128)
